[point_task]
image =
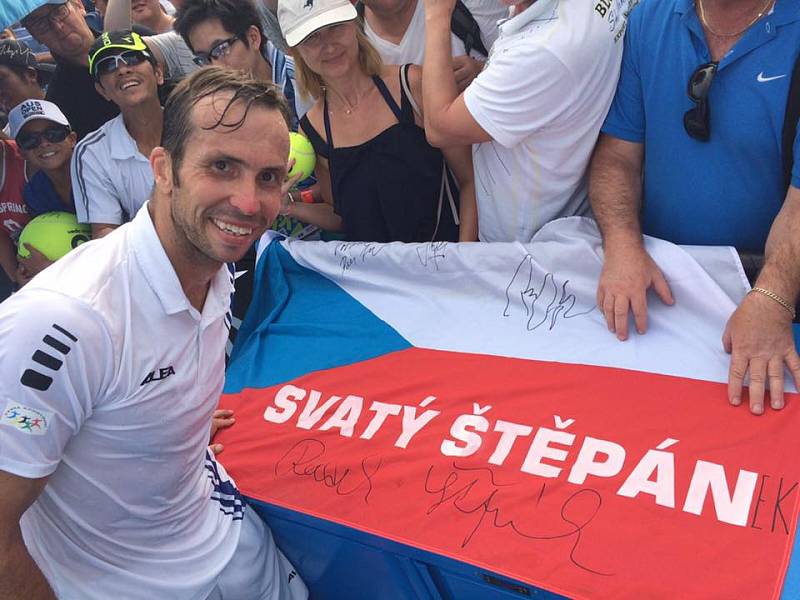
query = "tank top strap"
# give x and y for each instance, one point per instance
(321, 147)
(387, 97)
(327, 120)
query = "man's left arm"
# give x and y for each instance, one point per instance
(448, 122)
(759, 333)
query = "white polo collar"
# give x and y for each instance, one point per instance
(123, 146)
(519, 22)
(163, 279)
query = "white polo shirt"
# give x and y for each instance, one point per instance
(111, 179)
(411, 48)
(109, 378)
(542, 96)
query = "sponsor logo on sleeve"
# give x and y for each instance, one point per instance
(26, 419)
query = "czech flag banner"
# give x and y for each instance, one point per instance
(468, 400)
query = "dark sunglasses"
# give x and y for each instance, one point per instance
(217, 51)
(697, 121)
(54, 135)
(109, 64)
(43, 24)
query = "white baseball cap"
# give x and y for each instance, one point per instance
(31, 110)
(300, 18)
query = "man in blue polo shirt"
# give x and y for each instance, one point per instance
(699, 111)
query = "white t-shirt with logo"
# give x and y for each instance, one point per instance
(109, 380)
(542, 97)
(411, 48)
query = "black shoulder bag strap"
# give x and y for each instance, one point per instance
(790, 123)
(462, 24)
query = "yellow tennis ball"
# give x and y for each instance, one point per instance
(53, 234)
(302, 152)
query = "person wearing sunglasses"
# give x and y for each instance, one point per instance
(691, 152)
(45, 139)
(229, 33)
(111, 175)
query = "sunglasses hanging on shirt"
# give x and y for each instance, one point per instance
(697, 121)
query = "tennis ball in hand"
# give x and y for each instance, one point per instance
(302, 152)
(53, 234)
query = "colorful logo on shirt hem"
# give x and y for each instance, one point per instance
(26, 419)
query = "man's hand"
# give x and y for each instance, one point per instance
(759, 339)
(628, 271)
(222, 419)
(465, 68)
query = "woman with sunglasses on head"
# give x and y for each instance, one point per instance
(379, 177)
(46, 141)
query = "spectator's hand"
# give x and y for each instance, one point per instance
(628, 271)
(465, 69)
(287, 186)
(35, 263)
(221, 419)
(759, 338)
(21, 277)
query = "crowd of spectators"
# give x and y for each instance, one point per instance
(452, 120)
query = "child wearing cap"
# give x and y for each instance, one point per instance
(46, 140)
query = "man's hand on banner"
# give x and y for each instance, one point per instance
(222, 419)
(759, 339)
(628, 272)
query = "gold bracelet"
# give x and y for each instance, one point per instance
(777, 299)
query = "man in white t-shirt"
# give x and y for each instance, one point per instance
(533, 113)
(111, 365)
(111, 174)
(397, 30)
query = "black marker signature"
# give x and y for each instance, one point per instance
(475, 491)
(431, 253)
(560, 303)
(349, 253)
(306, 459)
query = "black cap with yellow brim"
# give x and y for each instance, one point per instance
(115, 42)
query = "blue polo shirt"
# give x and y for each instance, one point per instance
(728, 190)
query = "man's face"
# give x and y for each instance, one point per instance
(145, 10)
(228, 186)
(47, 155)
(131, 85)
(15, 88)
(61, 28)
(234, 53)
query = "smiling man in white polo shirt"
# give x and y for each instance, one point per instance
(112, 362)
(533, 113)
(111, 175)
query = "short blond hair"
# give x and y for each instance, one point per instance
(311, 83)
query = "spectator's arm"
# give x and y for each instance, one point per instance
(448, 122)
(102, 229)
(615, 187)
(20, 577)
(759, 334)
(321, 213)
(118, 15)
(8, 256)
(459, 159)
